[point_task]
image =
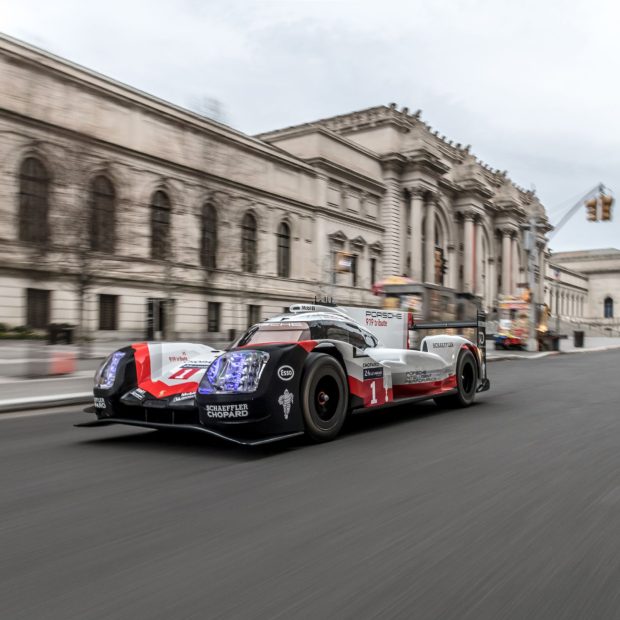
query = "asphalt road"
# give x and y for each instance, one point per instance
(510, 509)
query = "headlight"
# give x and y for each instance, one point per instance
(234, 372)
(105, 375)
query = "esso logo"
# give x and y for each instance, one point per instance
(286, 373)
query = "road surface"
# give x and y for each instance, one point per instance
(510, 509)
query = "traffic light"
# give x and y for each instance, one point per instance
(591, 210)
(606, 202)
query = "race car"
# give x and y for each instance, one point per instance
(300, 372)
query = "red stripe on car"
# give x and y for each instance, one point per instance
(426, 388)
(372, 396)
(159, 389)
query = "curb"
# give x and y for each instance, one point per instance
(41, 402)
(514, 356)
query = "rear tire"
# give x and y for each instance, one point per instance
(466, 382)
(324, 396)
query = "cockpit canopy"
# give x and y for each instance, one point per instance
(280, 330)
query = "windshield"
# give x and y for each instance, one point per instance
(274, 332)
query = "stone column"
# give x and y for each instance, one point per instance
(551, 302)
(478, 263)
(468, 259)
(417, 205)
(453, 268)
(506, 262)
(429, 241)
(491, 283)
(516, 265)
(541, 273)
(391, 211)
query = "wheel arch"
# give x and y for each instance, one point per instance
(329, 348)
(475, 351)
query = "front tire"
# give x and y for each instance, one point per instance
(466, 382)
(324, 396)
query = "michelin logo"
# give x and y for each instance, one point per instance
(285, 401)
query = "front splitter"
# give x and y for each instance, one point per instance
(190, 427)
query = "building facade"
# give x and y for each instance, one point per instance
(585, 284)
(135, 218)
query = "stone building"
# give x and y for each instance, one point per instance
(596, 274)
(136, 218)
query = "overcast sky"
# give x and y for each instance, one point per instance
(533, 86)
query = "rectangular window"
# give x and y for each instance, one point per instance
(37, 308)
(108, 312)
(253, 315)
(213, 316)
(373, 271)
(354, 270)
(333, 196)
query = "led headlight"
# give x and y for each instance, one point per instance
(105, 375)
(234, 372)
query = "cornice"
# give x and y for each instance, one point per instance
(330, 167)
(107, 87)
(424, 159)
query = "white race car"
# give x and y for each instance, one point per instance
(300, 372)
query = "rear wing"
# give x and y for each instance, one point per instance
(479, 324)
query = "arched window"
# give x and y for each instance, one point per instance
(102, 215)
(284, 250)
(248, 243)
(608, 307)
(208, 237)
(33, 201)
(160, 225)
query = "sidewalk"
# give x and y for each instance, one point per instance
(22, 394)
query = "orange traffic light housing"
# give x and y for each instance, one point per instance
(606, 203)
(591, 210)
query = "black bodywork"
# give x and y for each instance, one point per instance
(250, 418)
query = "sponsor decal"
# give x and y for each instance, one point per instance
(285, 401)
(181, 357)
(481, 339)
(237, 410)
(197, 364)
(286, 373)
(380, 318)
(375, 372)
(183, 396)
(99, 402)
(442, 345)
(383, 314)
(138, 394)
(424, 376)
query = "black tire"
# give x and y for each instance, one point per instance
(324, 396)
(466, 382)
